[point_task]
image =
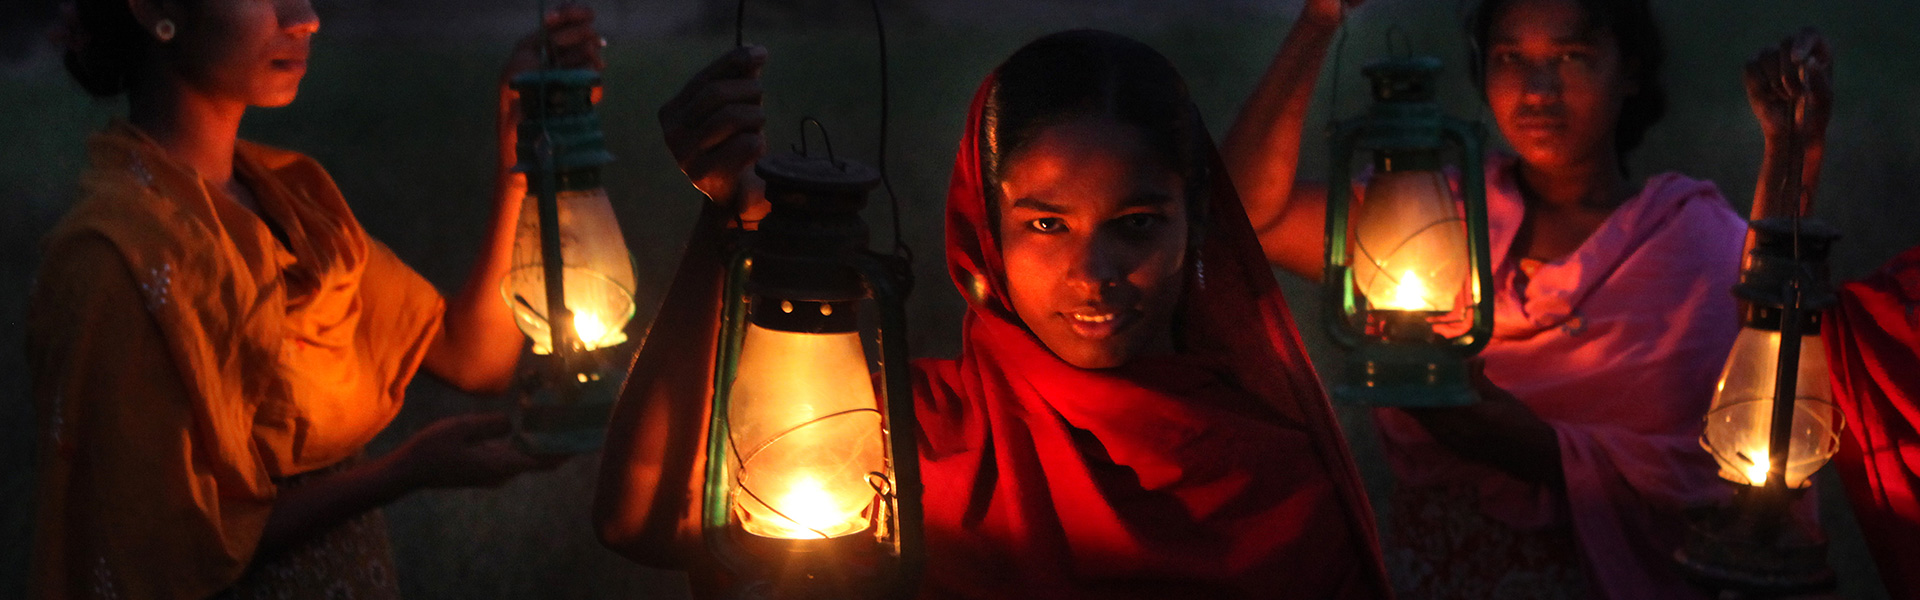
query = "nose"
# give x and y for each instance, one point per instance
(1542, 81)
(297, 17)
(1098, 266)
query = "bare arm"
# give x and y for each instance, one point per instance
(653, 467)
(479, 346)
(463, 451)
(1262, 149)
(1787, 85)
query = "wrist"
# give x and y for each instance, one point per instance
(395, 472)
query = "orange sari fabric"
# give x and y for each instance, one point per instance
(1216, 473)
(184, 361)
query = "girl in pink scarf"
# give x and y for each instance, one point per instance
(1613, 316)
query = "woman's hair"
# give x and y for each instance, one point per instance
(1073, 74)
(105, 45)
(1641, 51)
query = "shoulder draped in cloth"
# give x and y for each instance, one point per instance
(187, 357)
(1618, 347)
(1873, 349)
(1216, 473)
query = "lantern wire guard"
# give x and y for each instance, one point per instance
(812, 473)
(1757, 545)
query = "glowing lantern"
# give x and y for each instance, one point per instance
(812, 474)
(1772, 423)
(1406, 263)
(570, 265)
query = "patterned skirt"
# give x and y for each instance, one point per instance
(350, 560)
(1439, 546)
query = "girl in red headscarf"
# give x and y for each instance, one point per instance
(1131, 414)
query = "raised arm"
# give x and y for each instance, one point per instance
(1262, 149)
(653, 465)
(479, 346)
(1790, 84)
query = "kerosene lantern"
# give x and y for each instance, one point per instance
(1772, 423)
(812, 474)
(1407, 262)
(571, 279)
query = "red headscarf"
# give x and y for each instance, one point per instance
(1873, 348)
(1219, 472)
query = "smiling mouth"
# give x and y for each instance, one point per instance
(288, 64)
(1099, 324)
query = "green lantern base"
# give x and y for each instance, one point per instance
(1405, 375)
(562, 414)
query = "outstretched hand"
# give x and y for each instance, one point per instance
(466, 451)
(714, 129)
(1792, 82)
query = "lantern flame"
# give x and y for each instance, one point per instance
(593, 330)
(1409, 293)
(1757, 472)
(808, 505)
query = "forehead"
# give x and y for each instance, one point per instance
(1545, 21)
(1087, 162)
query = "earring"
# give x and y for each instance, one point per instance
(164, 30)
(1200, 271)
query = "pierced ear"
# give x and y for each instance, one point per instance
(149, 13)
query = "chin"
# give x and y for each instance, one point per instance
(1086, 355)
(274, 96)
(275, 100)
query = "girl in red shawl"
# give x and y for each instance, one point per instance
(1131, 415)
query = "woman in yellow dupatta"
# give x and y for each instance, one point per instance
(213, 338)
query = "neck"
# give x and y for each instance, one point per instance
(193, 128)
(1579, 185)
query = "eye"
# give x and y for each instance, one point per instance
(1506, 58)
(1574, 57)
(1048, 224)
(1142, 221)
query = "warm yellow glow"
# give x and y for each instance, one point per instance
(593, 331)
(1757, 472)
(811, 509)
(1740, 423)
(1410, 293)
(1410, 243)
(598, 272)
(805, 426)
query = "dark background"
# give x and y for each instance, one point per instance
(398, 105)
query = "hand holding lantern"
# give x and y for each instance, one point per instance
(1773, 422)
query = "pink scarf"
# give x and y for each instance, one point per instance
(1618, 347)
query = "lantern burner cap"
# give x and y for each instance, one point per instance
(817, 174)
